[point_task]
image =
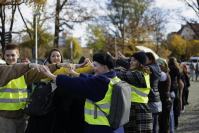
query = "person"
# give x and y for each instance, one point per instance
(69, 108)
(197, 70)
(68, 114)
(176, 92)
(14, 94)
(186, 81)
(9, 72)
(155, 103)
(164, 89)
(138, 77)
(48, 122)
(54, 57)
(192, 70)
(95, 88)
(25, 60)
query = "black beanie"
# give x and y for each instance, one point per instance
(141, 57)
(104, 59)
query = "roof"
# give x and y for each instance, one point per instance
(193, 26)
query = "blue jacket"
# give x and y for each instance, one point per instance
(91, 87)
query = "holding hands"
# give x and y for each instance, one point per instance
(46, 71)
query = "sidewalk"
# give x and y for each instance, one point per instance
(189, 120)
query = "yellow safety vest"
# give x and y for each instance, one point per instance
(93, 115)
(13, 96)
(140, 95)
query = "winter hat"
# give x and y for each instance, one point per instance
(104, 59)
(140, 57)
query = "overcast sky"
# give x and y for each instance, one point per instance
(174, 23)
(176, 8)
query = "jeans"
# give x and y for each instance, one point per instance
(12, 125)
(119, 130)
(172, 122)
(155, 122)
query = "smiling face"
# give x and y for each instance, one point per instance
(134, 63)
(11, 56)
(55, 57)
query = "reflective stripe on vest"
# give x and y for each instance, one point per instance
(140, 95)
(94, 115)
(13, 96)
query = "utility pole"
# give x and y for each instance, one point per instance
(71, 50)
(116, 55)
(36, 36)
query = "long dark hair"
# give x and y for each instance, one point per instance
(151, 57)
(48, 58)
(173, 64)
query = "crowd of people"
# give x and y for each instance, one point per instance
(194, 71)
(159, 93)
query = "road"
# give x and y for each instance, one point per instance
(189, 120)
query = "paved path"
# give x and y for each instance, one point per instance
(189, 120)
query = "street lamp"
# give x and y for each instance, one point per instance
(36, 36)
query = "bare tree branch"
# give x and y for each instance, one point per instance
(62, 5)
(24, 22)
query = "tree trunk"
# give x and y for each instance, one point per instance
(56, 35)
(2, 17)
(14, 6)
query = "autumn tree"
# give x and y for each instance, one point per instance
(177, 45)
(6, 34)
(8, 9)
(127, 16)
(96, 38)
(154, 24)
(44, 39)
(67, 13)
(73, 49)
(192, 48)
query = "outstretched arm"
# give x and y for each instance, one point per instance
(9, 72)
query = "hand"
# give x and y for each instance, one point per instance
(121, 56)
(73, 73)
(86, 61)
(111, 55)
(45, 70)
(168, 103)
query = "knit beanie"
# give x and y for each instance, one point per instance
(104, 59)
(140, 57)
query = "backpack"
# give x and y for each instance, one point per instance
(40, 101)
(120, 105)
